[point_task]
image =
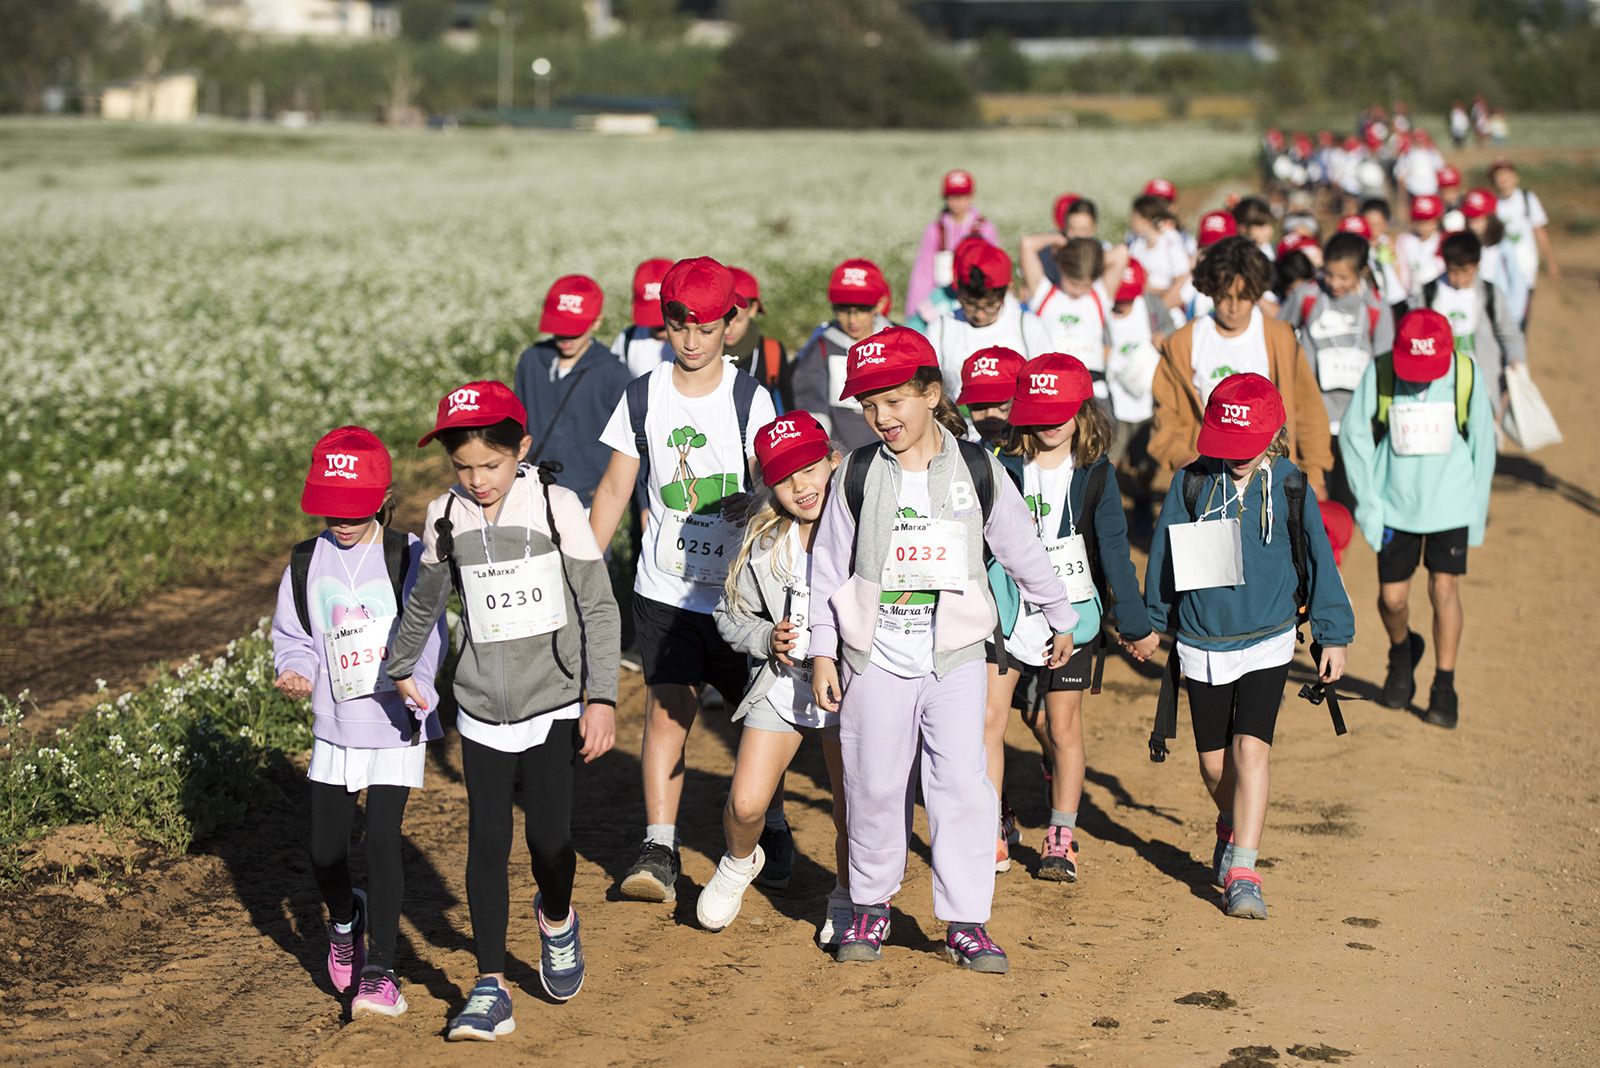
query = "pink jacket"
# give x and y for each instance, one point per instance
(942, 235)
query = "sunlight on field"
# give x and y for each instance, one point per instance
(183, 312)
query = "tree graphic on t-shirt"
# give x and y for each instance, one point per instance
(687, 493)
(1222, 372)
(1038, 506)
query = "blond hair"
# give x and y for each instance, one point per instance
(1091, 436)
(767, 528)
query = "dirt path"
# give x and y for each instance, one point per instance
(1433, 895)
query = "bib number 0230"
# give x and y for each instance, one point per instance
(514, 599)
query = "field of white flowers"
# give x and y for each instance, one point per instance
(182, 312)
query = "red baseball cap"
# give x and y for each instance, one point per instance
(1295, 240)
(1339, 525)
(647, 292)
(886, 359)
(1424, 346)
(1426, 207)
(793, 441)
(572, 306)
(1356, 224)
(1216, 225)
(349, 476)
(1501, 164)
(1131, 287)
(1063, 206)
(1351, 144)
(1477, 203)
(1243, 415)
(990, 375)
(702, 285)
(476, 404)
(1160, 187)
(990, 260)
(958, 184)
(858, 281)
(746, 288)
(1050, 390)
(1449, 177)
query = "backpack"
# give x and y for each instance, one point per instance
(1008, 598)
(1466, 371)
(769, 362)
(1374, 313)
(1430, 293)
(396, 560)
(855, 479)
(638, 396)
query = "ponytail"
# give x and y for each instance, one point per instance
(945, 413)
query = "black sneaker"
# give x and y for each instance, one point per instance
(654, 875)
(1400, 686)
(778, 845)
(1442, 711)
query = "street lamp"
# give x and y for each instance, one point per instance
(507, 25)
(541, 83)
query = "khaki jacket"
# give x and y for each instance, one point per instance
(1178, 410)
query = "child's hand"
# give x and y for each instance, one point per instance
(598, 729)
(825, 688)
(293, 685)
(1060, 651)
(1332, 667)
(1145, 647)
(784, 637)
(736, 509)
(411, 693)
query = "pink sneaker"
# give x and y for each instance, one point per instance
(378, 995)
(347, 953)
(1058, 860)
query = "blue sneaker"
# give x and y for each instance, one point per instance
(486, 1017)
(973, 949)
(560, 957)
(1244, 895)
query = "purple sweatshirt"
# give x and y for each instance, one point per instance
(380, 721)
(942, 235)
(845, 605)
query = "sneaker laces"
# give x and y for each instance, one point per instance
(343, 952)
(974, 940)
(481, 1004)
(864, 926)
(372, 985)
(564, 953)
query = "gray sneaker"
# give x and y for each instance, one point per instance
(1243, 893)
(653, 876)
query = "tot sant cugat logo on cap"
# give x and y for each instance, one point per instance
(986, 365)
(573, 302)
(652, 291)
(1237, 414)
(854, 276)
(869, 352)
(1422, 346)
(1043, 383)
(782, 430)
(341, 465)
(463, 400)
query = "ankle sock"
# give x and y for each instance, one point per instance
(1063, 819)
(345, 927)
(839, 897)
(1242, 858)
(662, 834)
(1444, 680)
(742, 866)
(551, 927)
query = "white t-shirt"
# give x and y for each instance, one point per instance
(1046, 494)
(1460, 306)
(1419, 258)
(640, 352)
(1216, 357)
(514, 737)
(1130, 335)
(714, 470)
(902, 640)
(1165, 259)
(790, 695)
(1522, 213)
(1075, 325)
(1219, 667)
(954, 339)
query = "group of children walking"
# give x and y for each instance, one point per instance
(839, 550)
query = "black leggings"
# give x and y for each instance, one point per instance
(333, 813)
(547, 818)
(1248, 705)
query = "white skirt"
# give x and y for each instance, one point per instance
(356, 769)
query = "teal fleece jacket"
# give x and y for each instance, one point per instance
(1419, 494)
(1236, 617)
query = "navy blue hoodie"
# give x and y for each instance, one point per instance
(572, 437)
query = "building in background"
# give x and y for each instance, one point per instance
(163, 98)
(1064, 27)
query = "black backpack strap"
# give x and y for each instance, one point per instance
(299, 575)
(550, 427)
(977, 459)
(744, 394)
(638, 394)
(1092, 492)
(1193, 479)
(397, 561)
(1430, 292)
(855, 490)
(1294, 491)
(1166, 725)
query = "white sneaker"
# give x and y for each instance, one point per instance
(837, 920)
(719, 902)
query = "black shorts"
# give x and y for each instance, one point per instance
(683, 647)
(1073, 675)
(1248, 705)
(1444, 551)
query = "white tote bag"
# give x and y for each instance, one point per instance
(1528, 421)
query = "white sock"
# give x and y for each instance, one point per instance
(344, 928)
(741, 866)
(551, 927)
(663, 834)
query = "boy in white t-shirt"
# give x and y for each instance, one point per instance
(987, 314)
(1076, 313)
(1527, 227)
(1416, 250)
(696, 419)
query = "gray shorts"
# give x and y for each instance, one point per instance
(763, 717)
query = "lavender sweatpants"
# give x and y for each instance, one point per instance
(885, 721)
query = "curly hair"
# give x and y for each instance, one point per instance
(1228, 259)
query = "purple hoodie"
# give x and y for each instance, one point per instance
(943, 234)
(380, 721)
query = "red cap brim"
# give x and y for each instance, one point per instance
(789, 461)
(1233, 444)
(565, 325)
(648, 313)
(1043, 411)
(342, 502)
(989, 392)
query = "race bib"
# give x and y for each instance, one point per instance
(355, 651)
(1134, 367)
(698, 547)
(906, 615)
(1206, 555)
(799, 601)
(1422, 428)
(944, 268)
(926, 554)
(515, 599)
(837, 368)
(1070, 557)
(1341, 368)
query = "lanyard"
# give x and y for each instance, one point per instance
(483, 532)
(338, 554)
(1037, 473)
